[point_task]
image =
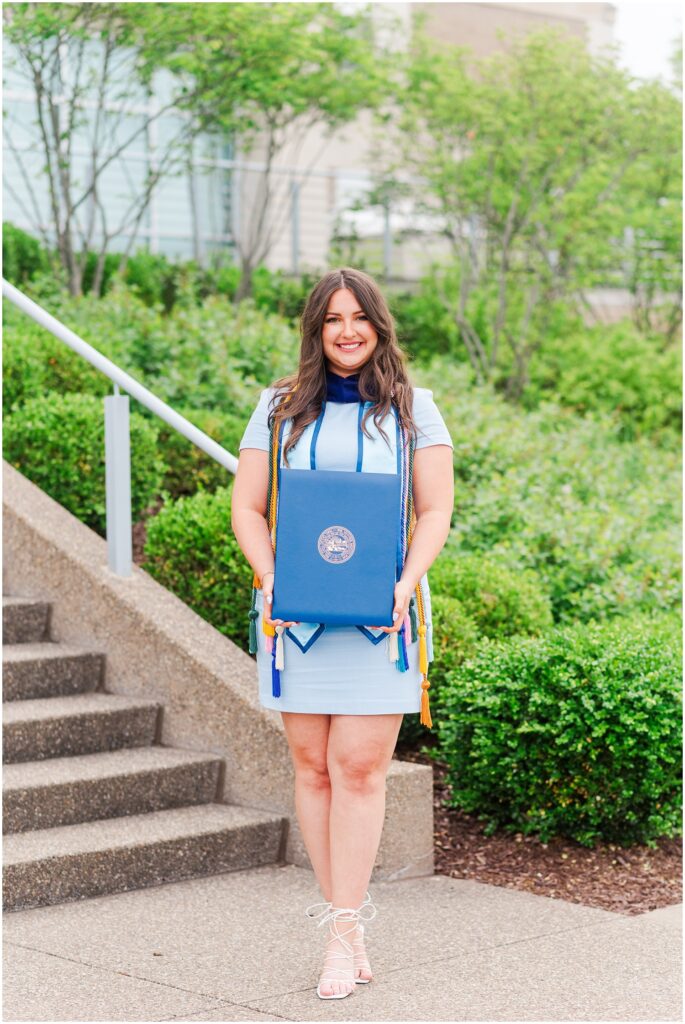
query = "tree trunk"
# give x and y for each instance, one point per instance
(244, 289)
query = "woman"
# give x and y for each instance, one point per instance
(342, 698)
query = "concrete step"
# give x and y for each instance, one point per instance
(47, 669)
(67, 790)
(24, 620)
(80, 724)
(57, 865)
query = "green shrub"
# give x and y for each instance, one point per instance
(108, 273)
(161, 282)
(221, 354)
(211, 356)
(595, 518)
(227, 278)
(499, 600)
(191, 549)
(425, 327)
(613, 368)
(153, 278)
(58, 442)
(275, 293)
(189, 468)
(23, 256)
(576, 733)
(37, 363)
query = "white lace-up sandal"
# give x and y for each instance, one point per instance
(333, 915)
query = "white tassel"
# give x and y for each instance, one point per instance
(280, 663)
(393, 649)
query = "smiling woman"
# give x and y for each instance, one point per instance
(342, 690)
(348, 336)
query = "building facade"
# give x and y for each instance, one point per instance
(212, 199)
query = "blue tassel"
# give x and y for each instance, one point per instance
(404, 659)
(275, 674)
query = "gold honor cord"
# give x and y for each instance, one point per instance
(425, 717)
(272, 501)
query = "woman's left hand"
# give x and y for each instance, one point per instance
(400, 609)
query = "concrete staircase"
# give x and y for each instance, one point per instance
(93, 803)
(102, 669)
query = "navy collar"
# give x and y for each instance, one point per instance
(342, 389)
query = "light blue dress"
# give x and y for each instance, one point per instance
(343, 672)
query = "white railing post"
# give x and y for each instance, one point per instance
(118, 483)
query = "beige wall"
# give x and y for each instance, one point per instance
(477, 25)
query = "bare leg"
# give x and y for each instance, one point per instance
(341, 762)
(360, 748)
(307, 737)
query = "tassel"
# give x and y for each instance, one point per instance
(253, 615)
(280, 656)
(414, 624)
(425, 717)
(275, 675)
(404, 659)
(393, 653)
(269, 644)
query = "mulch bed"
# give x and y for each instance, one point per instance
(626, 881)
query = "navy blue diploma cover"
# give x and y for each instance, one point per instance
(337, 536)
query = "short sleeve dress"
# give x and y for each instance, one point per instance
(343, 672)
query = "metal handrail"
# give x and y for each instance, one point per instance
(117, 435)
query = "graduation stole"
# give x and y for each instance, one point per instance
(306, 633)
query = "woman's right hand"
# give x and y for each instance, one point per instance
(268, 591)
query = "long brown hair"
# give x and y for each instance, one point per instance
(383, 379)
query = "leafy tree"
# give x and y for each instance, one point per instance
(534, 162)
(266, 75)
(651, 208)
(70, 54)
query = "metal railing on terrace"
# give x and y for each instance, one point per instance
(117, 430)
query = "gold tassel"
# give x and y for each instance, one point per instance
(425, 717)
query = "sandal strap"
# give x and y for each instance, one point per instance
(311, 906)
(311, 911)
(364, 912)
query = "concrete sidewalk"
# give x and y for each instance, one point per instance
(237, 947)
